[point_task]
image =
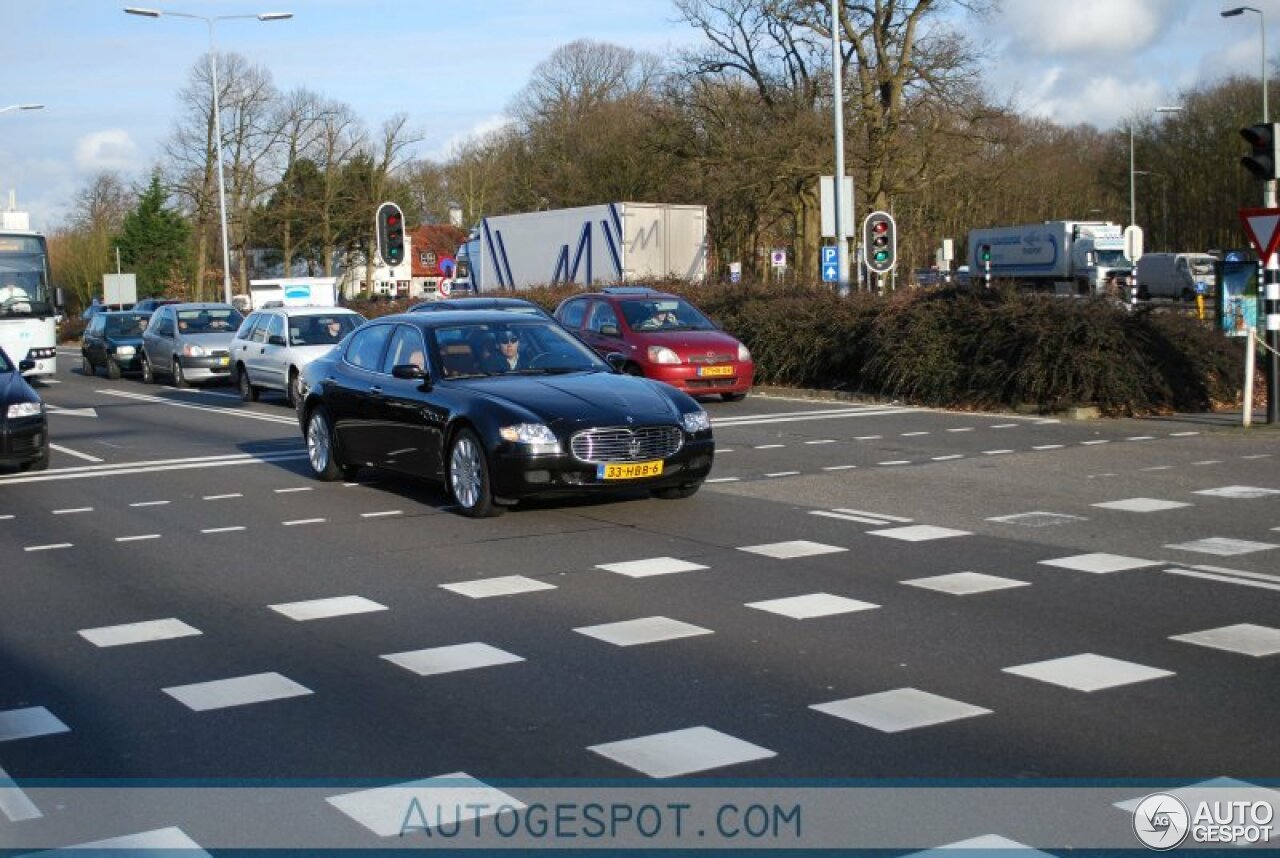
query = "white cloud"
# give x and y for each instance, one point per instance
(112, 149)
(479, 129)
(1097, 28)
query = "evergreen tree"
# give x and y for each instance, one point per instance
(154, 244)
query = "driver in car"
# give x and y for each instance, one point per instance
(509, 357)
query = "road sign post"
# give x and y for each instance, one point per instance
(1133, 252)
(1263, 229)
(830, 264)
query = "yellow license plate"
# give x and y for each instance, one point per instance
(705, 371)
(629, 471)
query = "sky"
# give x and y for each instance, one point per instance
(110, 81)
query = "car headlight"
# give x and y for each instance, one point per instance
(695, 421)
(662, 354)
(193, 350)
(744, 354)
(537, 436)
(25, 409)
(125, 351)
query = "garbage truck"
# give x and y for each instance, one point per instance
(1066, 257)
(608, 243)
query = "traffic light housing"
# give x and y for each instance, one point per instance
(880, 240)
(1263, 159)
(984, 253)
(390, 231)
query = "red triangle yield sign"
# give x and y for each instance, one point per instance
(1263, 227)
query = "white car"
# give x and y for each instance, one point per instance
(273, 345)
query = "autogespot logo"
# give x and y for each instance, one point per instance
(1161, 821)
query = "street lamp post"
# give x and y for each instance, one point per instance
(217, 120)
(1133, 206)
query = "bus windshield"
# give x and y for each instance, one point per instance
(24, 285)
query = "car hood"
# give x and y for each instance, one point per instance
(221, 340)
(14, 389)
(685, 343)
(574, 399)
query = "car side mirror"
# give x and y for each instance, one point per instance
(275, 340)
(609, 330)
(408, 371)
(26, 365)
(617, 360)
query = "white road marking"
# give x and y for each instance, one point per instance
(868, 438)
(1141, 438)
(682, 752)
(1225, 579)
(383, 514)
(948, 458)
(14, 803)
(919, 533)
(896, 462)
(769, 446)
(882, 515)
(138, 538)
(212, 409)
(900, 709)
(843, 517)
(839, 467)
(5, 517)
(85, 456)
(73, 510)
(149, 468)
(488, 588)
(1182, 434)
(237, 691)
(964, 429)
(49, 547)
(290, 491)
(913, 434)
(1159, 468)
(148, 631)
(222, 497)
(787, 416)
(1092, 443)
(149, 503)
(1003, 426)
(822, 441)
(724, 480)
(324, 609)
(303, 521)
(1257, 456)
(447, 659)
(71, 412)
(459, 795)
(1048, 447)
(1209, 462)
(783, 474)
(995, 452)
(811, 605)
(224, 529)
(28, 723)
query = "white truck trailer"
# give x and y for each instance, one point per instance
(1067, 257)
(292, 292)
(609, 243)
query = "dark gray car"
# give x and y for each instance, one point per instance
(189, 342)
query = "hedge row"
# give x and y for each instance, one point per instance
(960, 348)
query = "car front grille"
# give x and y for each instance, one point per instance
(712, 357)
(603, 446)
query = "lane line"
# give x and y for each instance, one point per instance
(47, 476)
(223, 529)
(1092, 443)
(858, 518)
(1182, 434)
(783, 474)
(948, 458)
(995, 452)
(877, 515)
(1208, 462)
(724, 480)
(769, 446)
(303, 521)
(823, 441)
(839, 467)
(222, 497)
(14, 803)
(51, 547)
(290, 491)
(147, 463)
(1243, 574)
(212, 409)
(1048, 447)
(73, 510)
(77, 454)
(913, 434)
(382, 514)
(896, 462)
(1223, 579)
(149, 503)
(965, 429)
(138, 538)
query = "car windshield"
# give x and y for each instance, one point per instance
(5, 366)
(528, 347)
(323, 330)
(664, 314)
(1202, 267)
(212, 320)
(125, 326)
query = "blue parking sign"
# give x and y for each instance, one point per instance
(830, 264)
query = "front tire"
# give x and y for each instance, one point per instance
(148, 374)
(248, 392)
(293, 392)
(86, 366)
(322, 451)
(179, 378)
(41, 464)
(469, 477)
(733, 397)
(113, 369)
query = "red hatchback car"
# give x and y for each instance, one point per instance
(663, 337)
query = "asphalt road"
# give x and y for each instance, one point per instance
(860, 592)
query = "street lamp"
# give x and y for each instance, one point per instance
(1133, 215)
(21, 107)
(217, 121)
(1269, 187)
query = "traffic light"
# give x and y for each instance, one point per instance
(984, 253)
(390, 230)
(880, 238)
(1264, 159)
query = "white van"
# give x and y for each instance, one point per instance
(1176, 275)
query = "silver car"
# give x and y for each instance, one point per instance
(273, 345)
(189, 342)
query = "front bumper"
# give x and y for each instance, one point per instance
(206, 368)
(691, 378)
(23, 440)
(518, 475)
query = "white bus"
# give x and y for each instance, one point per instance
(28, 328)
